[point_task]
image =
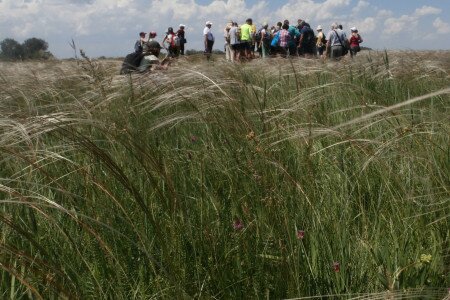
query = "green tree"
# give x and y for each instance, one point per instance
(34, 48)
(11, 49)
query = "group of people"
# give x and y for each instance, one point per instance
(284, 39)
(247, 42)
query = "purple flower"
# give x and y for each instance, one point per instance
(300, 234)
(238, 225)
(336, 266)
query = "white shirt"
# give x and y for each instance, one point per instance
(208, 33)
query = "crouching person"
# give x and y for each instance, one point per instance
(150, 61)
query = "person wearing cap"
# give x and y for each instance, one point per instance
(150, 61)
(321, 42)
(171, 43)
(354, 41)
(181, 36)
(208, 39)
(139, 43)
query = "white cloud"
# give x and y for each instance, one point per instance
(409, 23)
(397, 25)
(312, 10)
(441, 26)
(361, 6)
(427, 10)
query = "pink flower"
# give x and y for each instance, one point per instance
(336, 266)
(238, 225)
(300, 234)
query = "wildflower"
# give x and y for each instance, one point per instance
(238, 225)
(336, 266)
(425, 258)
(300, 234)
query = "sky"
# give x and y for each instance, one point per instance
(110, 27)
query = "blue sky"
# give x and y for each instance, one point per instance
(110, 27)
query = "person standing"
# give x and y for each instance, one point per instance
(226, 35)
(335, 42)
(246, 37)
(182, 38)
(307, 41)
(321, 42)
(265, 40)
(208, 39)
(284, 40)
(234, 43)
(354, 41)
(170, 43)
(294, 36)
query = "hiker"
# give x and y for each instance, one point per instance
(181, 34)
(150, 61)
(170, 43)
(321, 42)
(294, 34)
(208, 39)
(234, 42)
(354, 41)
(227, 37)
(280, 41)
(246, 37)
(335, 42)
(264, 40)
(139, 43)
(307, 42)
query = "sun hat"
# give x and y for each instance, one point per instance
(208, 23)
(319, 27)
(182, 25)
(353, 29)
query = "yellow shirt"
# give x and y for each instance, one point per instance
(246, 32)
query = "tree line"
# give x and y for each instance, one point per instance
(32, 48)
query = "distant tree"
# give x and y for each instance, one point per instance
(11, 49)
(34, 48)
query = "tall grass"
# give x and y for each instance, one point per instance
(272, 179)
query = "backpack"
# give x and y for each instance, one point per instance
(176, 40)
(258, 36)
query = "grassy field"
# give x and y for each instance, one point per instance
(267, 180)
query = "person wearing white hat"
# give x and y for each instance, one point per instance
(208, 38)
(354, 41)
(321, 41)
(181, 36)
